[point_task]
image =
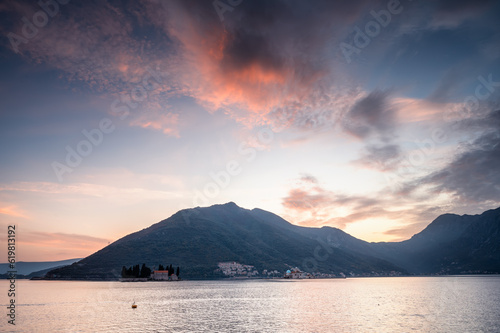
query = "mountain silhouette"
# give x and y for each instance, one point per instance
(198, 239)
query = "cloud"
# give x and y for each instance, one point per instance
(309, 204)
(410, 110)
(116, 193)
(12, 210)
(58, 246)
(373, 119)
(88, 42)
(472, 176)
(371, 116)
(109, 50)
(451, 82)
(57, 240)
(381, 157)
(265, 63)
(269, 68)
(301, 200)
(452, 13)
(309, 179)
(167, 123)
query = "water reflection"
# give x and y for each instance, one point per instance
(430, 304)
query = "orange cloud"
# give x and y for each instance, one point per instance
(13, 211)
(258, 78)
(57, 246)
(416, 110)
(309, 204)
(166, 123)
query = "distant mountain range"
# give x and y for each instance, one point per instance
(27, 267)
(198, 239)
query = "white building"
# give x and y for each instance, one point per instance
(163, 276)
(232, 268)
(296, 273)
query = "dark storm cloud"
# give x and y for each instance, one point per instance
(374, 118)
(490, 122)
(473, 175)
(460, 6)
(451, 13)
(271, 32)
(281, 34)
(371, 116)
(271, 59)
(383, 157)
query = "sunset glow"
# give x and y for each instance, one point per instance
(114, 117)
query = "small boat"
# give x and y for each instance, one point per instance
(134, 306)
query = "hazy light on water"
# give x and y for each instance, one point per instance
(420, 304)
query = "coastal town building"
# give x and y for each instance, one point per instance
(163, 276)
(296, 273)
(234, 269)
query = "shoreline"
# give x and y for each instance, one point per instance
(253, 278)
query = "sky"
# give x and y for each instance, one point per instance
(374, 117)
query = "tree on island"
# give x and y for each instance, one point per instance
(127, 272)
(145, 271)
(136, 271)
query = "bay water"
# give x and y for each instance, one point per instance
(395, 304)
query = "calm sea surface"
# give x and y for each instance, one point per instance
(406, 304)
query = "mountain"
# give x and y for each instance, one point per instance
(198, 239)
(474, 250)
(26, 267)
(451, 244)
(38, 274)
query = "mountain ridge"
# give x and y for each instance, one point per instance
(197, 239)
(28, 267)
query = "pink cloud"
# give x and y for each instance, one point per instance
(282, 87)
(418, 110)
(308, 203)
(168, 123)
(58, 246)
(279, 85)
(13, 211)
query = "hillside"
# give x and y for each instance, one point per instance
(197, 239)
(26, 267)
(451, 244)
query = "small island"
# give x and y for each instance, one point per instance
(144, 273)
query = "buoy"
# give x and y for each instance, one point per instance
(134, 306)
